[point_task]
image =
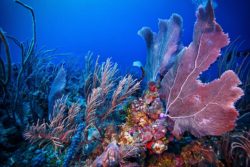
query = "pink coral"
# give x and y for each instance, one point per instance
(203, 109)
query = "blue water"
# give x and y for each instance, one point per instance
(109, 27)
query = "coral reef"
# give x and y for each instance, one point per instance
(90, 115)
(143, 124)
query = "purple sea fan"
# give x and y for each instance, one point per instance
(202, 109)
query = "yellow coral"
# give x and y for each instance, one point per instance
(126, 139)
(159, 146)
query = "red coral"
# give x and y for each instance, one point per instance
(152, 86)
(202, 109)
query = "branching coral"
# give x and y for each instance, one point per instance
(91, 74)
(6, 75)
(22, 75)
(202, 109)
(108, 74)
(242, 142)
(58, 130)
(26, 56)
(88, 64)
(100, 92)
(94, 101)
(126, 87)
(128, 151)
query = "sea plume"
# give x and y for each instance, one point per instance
(126, 87)
(59, 130)
(202, 109)
(93, 102)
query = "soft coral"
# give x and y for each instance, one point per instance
(203, 109)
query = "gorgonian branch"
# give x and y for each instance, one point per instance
(93, 102)
(27, 55)
(242, 142)
(127, 86)
(108, 73)
(57, 132)
(6, 80)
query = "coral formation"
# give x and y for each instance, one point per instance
(96, 117)
(143, 124)
(204, 101)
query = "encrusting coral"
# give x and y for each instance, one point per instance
(194, 154)
(143, 124)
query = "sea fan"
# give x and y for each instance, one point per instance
(202, 109)
(56, 90)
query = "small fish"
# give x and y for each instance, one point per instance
(137, 64)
